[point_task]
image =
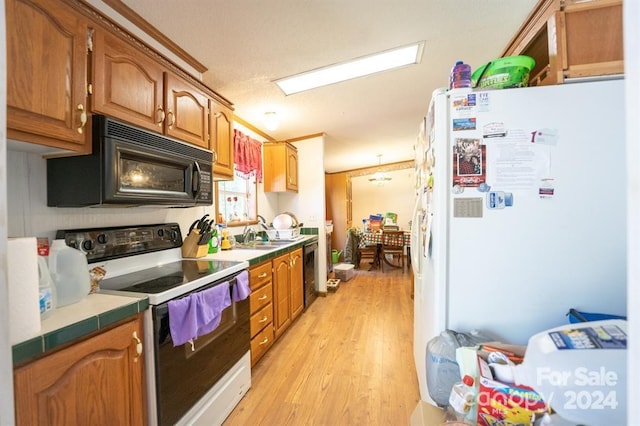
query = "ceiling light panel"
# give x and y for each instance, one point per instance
(359, 67)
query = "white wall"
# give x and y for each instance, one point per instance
(396, 196)
(632, 73)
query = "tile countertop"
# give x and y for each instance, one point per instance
(98, 311)
(68, 323)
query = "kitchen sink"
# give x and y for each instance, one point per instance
(259, 246)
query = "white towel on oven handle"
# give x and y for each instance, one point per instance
(198, 313)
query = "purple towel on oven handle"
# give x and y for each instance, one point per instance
(197, 314)
(241, 289)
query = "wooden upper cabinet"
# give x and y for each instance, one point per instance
(187, 112)
(97, 381)
(571, 39)
(221, 134)
(47, 74)
(127, 84)
(280, 167)
(131, 86)
(65, 61)
(292, 168)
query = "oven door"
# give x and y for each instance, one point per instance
(139, 173)
(185, 373)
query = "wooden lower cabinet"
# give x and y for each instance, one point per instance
(288, 293)
(296, 279)
(261, 310)
(260, 343)
(98, 381)
(277, 298)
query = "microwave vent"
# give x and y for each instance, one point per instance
(132, 134)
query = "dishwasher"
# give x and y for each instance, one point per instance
(310, 251)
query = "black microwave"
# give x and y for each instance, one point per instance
(130, 166)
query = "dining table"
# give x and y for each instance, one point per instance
(371, 238)
(377, 238)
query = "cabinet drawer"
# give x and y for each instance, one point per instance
(261, 318)
(259, 276)
(261, 343)
(260, 298)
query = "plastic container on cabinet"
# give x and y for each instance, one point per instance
(70, 272)
(460, 76)
(462, 396)
(47, 289)
(580, 370)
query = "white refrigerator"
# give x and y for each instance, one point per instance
(520, 211)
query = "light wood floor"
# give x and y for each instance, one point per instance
(348, 360)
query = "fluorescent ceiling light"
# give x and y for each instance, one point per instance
(360, 67)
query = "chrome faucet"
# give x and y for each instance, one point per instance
(248, 235)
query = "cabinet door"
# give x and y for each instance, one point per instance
(187, 112)
(96, 381)
(47, 74)
(221, 133)
(126, 83)
(292, 168)
(281, 298)
(587, 52)
(296, 280)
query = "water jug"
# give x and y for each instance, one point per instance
(460, 76)
(70, 272)
(47, 289)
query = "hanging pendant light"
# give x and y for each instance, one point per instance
(379, 178)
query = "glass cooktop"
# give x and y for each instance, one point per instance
(162, 278)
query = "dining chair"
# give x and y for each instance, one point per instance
(368, 252)
(393, 246)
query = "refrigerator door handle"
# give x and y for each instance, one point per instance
(416, 254)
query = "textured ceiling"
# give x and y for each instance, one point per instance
(246, 44)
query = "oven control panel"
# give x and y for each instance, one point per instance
(100, 244)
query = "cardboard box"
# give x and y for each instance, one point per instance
(505, 404)
(344, 271)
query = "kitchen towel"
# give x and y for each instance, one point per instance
(24, 309)
(197, 314)
(241, 290)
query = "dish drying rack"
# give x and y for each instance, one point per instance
(283, 234)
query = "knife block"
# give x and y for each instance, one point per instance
(190, 247)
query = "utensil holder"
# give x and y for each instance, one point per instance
(190, 247)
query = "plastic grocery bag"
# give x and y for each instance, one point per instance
(442, 368)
